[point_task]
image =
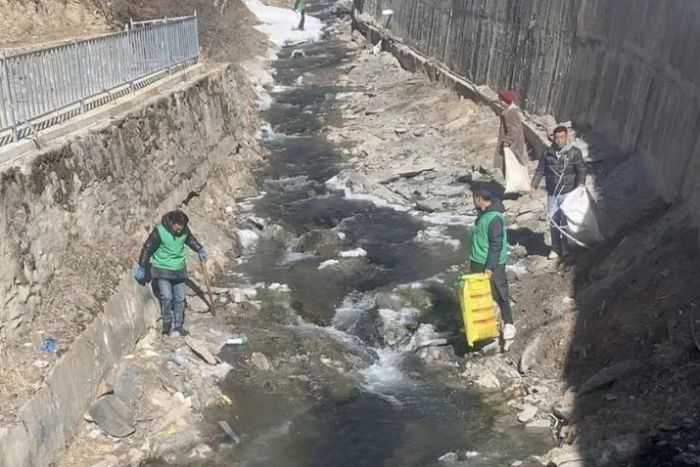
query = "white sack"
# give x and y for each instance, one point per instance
(581, 221)
(517, 178)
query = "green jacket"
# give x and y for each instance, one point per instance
(300, 6)
(166, 251)
(489, 244)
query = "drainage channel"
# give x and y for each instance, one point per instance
(353, 284)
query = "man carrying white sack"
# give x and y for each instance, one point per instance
(564, 170)
(512, 150)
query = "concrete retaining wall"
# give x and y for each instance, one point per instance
(626, 70)
(75, 215)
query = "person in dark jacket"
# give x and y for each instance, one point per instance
(564, 170)
(164, 250)
(489, 253)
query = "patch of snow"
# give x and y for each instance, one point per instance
(436, 234)
(448, 219)
(292, 257)
(248, 238)
(327, 264)
(356, 253)
(279, 24)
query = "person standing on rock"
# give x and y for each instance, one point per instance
(300, 7)
(489, 252)
(511, 136)
(165, 251)
(564, 170)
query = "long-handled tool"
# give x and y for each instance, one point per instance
(207, 282)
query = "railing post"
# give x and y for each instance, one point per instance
(81, 76)
(166, 43)
(9, 104)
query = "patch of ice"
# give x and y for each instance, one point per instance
(248, 238)
(436, 234)
(328, 263)
(276, 286)
(356, 253)
(342, 235)
(338, 183)
(292, 257)
(441, 218)
(279, 24)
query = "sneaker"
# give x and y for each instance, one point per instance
(175, 333)
(509, 332)
(553, 255)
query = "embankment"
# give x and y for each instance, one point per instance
(75, 215)
(624, 72)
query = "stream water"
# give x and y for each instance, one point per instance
(403, 413)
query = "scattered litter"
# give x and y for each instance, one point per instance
(200, 349)
(225, 400)
(49, 345)
(239, 343)
(229, 431)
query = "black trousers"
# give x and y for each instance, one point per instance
(499, 289)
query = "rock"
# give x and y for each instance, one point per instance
(566, 456)
(260, 361)
(449, 458)
(298, 53)
(518, 251)
(528, 359)
(430, 205)
(609, 375)
(199, 348)
(540, 424)
(401, 131)
(127, 384)
(488, 380)
(112, 416)
(564, 409)
(388, 300)
(527, 414)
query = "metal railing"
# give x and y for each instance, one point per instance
(45, 87)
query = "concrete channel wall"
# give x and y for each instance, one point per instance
(624, 69)
(92, 194)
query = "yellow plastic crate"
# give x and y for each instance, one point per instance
(478, 308)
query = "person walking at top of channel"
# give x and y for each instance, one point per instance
(564, 170)
(489, 253)
(165, 251)
(300, 7)
(510, 133)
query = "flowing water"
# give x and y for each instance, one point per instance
(402, 412)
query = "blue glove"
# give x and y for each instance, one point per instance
(140, 274)
(202, 255)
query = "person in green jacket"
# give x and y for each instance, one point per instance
(300, 7)
(489, 252)
(165, 251)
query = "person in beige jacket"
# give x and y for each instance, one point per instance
(510, 133)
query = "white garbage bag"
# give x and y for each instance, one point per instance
(517, 178)
(581, 220)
